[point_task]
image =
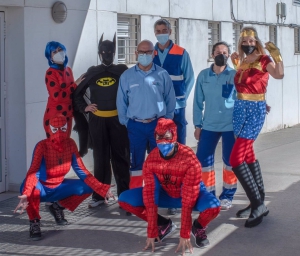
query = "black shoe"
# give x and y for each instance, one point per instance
(58, 214)
(35, 230)
(172, 211)
(256, 216)
(165, 230)
(244, 213)
(200, 236)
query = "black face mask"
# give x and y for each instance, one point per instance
(107, 51)
(221, 60)
(248, 49)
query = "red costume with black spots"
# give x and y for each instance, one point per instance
(52, 160)
(171, 181)
(60, 85)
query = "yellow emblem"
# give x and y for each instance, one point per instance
(106, 81)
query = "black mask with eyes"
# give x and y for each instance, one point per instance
(106, 51)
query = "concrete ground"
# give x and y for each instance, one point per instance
(106, 230)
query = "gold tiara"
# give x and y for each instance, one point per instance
(248, 33)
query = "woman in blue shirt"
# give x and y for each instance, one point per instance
(215, 89)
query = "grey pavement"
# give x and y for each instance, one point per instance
(106, 230)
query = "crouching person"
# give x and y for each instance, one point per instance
(45, 182)
(172, 177)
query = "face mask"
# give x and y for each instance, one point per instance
(162, 38)
(145, 59)
(59, 58)
(248, 49)
(107, 59)
(165, 148)
(221, 60)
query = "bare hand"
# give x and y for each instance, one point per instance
(91, 108)
(268, 108)
(22, 204)
(109, 195)
(197, 133)
(150, 241)
(234, 56)
(183, 243)
(80, 79)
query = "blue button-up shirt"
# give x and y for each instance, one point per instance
(209, 96)
(145, 94)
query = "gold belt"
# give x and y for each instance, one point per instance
(251, 97)
(108, 113)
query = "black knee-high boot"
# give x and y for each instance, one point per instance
(257, 175)
(247, 181)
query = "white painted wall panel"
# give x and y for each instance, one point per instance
(221, 10)
(274, 99)
(70, 4)
(86, 53)
(193, 37)
(191, 9)
(113, 6)
(147, 29)
(290, 97)
(15, 103)
(249, 10)
(150, 7)
(107, 24)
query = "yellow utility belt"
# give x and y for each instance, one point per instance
(107, 113)
(251, 97)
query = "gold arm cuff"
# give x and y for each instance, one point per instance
(251, 97)
(108, 113)
(277, 58)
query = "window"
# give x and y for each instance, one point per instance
(174, 27)
(273, 34)
(296, 2)
(128, 33)
(297, 40)
(236, 36)
(213, 35)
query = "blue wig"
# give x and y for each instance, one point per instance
(51, 47)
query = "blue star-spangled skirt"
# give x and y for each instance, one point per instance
(248, 118)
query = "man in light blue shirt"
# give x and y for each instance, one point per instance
(145, 93)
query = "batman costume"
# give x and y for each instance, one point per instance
(109, 138)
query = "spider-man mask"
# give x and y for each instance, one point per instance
(165, 135)
(58, 131)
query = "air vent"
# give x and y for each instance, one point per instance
(59, 12)
(296, 2)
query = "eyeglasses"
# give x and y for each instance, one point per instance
(167, 136)
(145, 52)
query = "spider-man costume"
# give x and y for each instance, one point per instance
(171, 182)
(52, 159)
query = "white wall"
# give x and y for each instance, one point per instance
(30, 27)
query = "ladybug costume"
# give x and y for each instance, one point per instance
(60, 85)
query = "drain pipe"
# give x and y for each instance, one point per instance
(257, 22)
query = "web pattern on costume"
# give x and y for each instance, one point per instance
(179, 176)
(60, 85)
(50, 165)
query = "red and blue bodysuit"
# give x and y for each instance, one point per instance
(171, 182)
(51, 161)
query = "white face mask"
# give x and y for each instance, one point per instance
(59, 57)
